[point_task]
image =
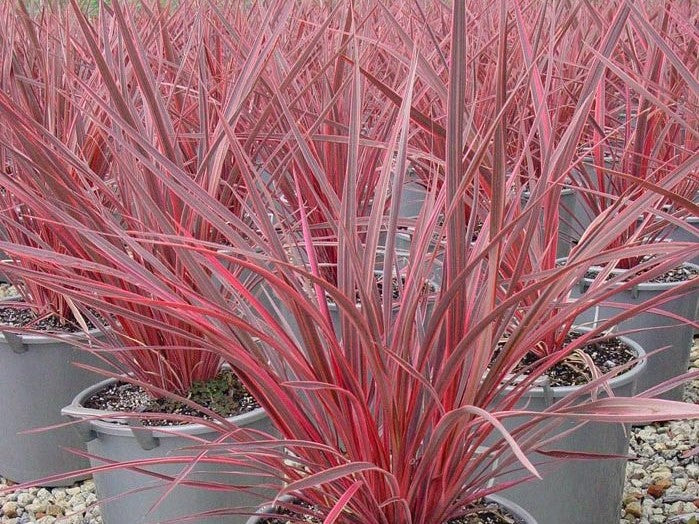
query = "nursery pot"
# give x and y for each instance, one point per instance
(567, 221)
(337, 318)
(679, 234)
(37, 378)
(583, 215)
(522, 516)
(580, 491)
(263, 293)
(654, 330)
(3, 276)
(127, 496)
(412, 198)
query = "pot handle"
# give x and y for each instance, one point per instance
(548, 391)
(82, 425)
(143, 435)
(15, 342)
(82, 417)
(84, 429)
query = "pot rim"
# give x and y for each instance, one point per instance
(565, 191)
(506, 503)
(625, 378)
(644, 286)
(75, 410)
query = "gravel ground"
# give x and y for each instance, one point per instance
(73, 505)
(661, 486)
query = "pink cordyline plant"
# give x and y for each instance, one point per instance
(39, 66)
(122, 196)
(643, 127)
(401, 418)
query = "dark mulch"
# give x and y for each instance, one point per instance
(24, 317)
(679, 274)
(224, 395)
(428, 287)
(490, 513)
(572, 371)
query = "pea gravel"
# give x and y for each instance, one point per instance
(661, 485)
(71, 505)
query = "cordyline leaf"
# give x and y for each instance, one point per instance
(341, 503)
(668, 53)
(669, 384)
(579, 455)
(622, 410)
(423, 120)
(452, 422)
(146, 81)
(330, 475)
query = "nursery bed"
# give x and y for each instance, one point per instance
(661, 486)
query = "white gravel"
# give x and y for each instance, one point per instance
(661, 485)
(71, 505)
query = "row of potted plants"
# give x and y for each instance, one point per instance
(231, 213)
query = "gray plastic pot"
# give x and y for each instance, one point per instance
(655, 330)
(412, 198)
(37, 378)
(120, 442)
(3, 276)
(583, 214)
(679, 234)
(337, 318)
(567, 217)
(584, 491)
(523, 517)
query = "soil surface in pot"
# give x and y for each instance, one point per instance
(574, 371)
(489, 513)
(224, 395)
(23, 317)
(679, 274)
(428, 287)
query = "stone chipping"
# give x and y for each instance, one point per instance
(65, 505)
(662, 485)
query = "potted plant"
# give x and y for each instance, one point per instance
(146, 347)
(627, 158)
(666, 329)
(40, 330)
(397, 420)
(35, 338)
